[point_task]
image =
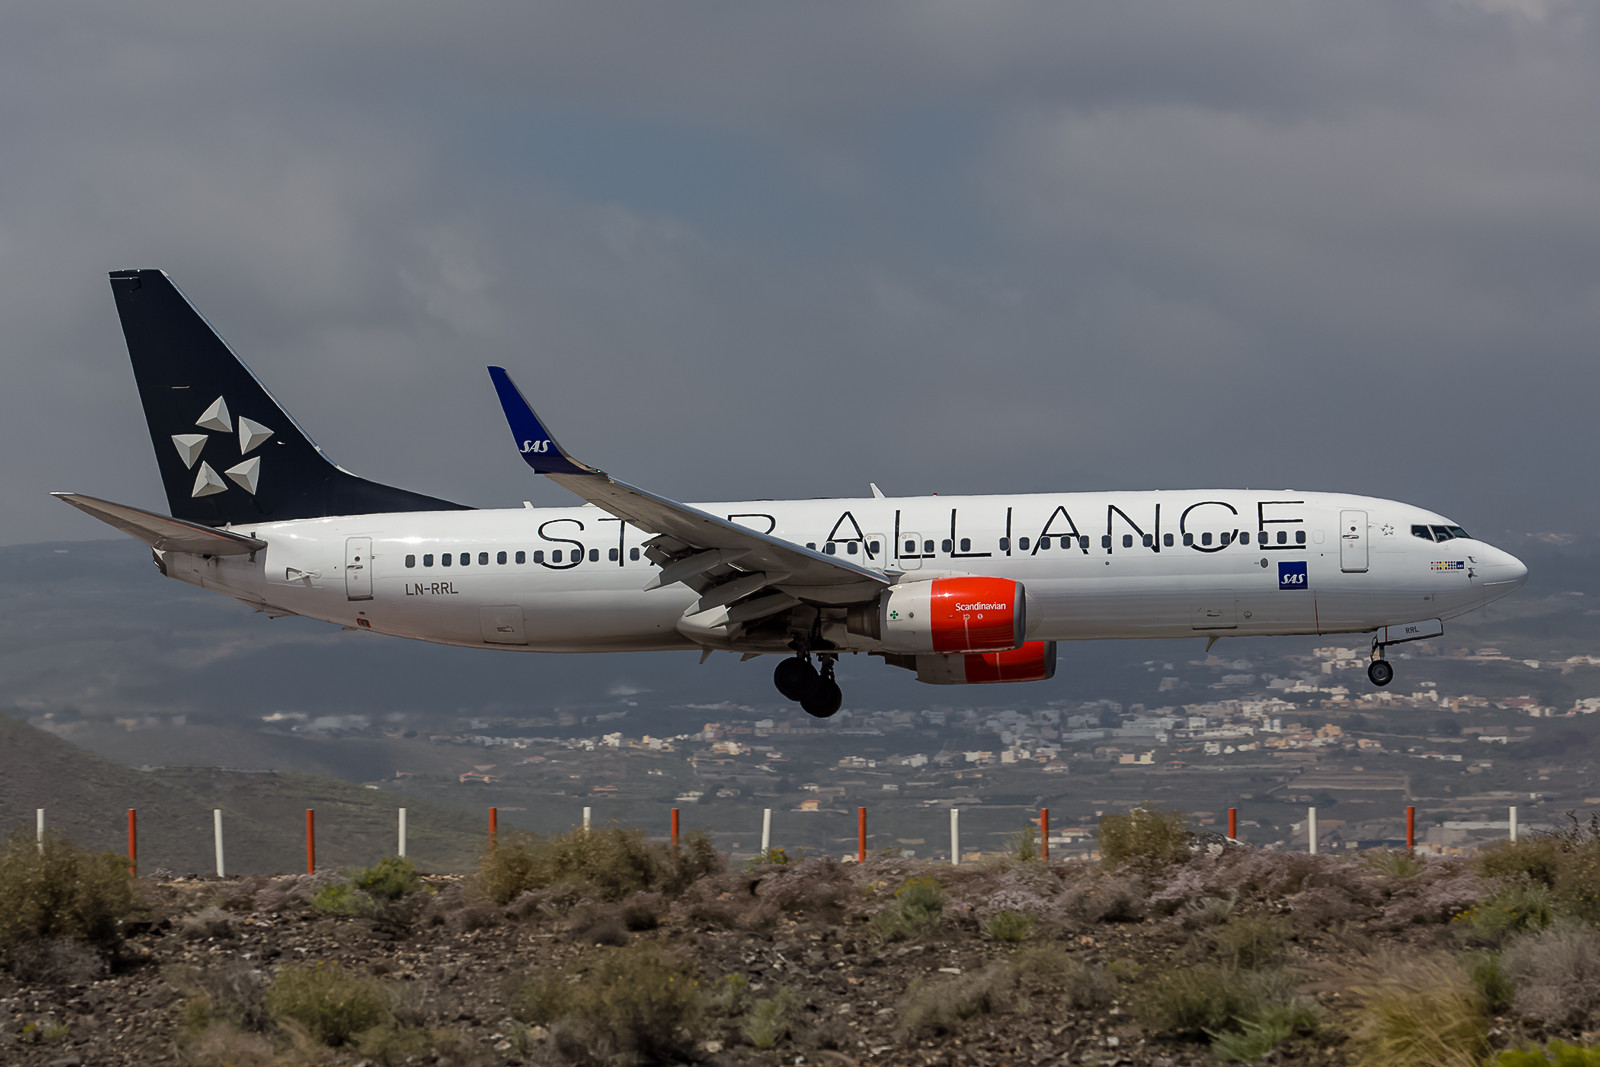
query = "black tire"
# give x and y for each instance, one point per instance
(795, 678)
(1380, 673)
(825, 701)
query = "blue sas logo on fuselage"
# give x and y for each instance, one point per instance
(1292, 575)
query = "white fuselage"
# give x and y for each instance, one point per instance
(1138, 564)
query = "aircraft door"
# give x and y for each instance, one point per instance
(909, 554)
(358, 568)
(1353, 542)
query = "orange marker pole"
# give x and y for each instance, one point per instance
(1044, 834)
(1411, 826)
(133, 843)
(311, 841)
(861, 835)
(494, 827)
(1233, 824)
(674, 829)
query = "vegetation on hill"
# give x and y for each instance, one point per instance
(608, 948)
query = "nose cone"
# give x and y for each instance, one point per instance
(1502, 573)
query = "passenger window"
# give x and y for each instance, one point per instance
(613, 555)
(812, 545)
(1149, 541)
(829, 549)
(445, 559)
(555, 555)
(1188, 540)
(427, 559)
(411, 561)
(483, 559)
(1005, 544)
(466, 558)
(1225, 539)
(1299, 537)
(1244, 537)
(1022, 543)
(1283, 537)
(966, 544)
(1127, 540)
(633, 554)
(850, 548)
(522, 557)
(945, 547)
(1166, 539)
(594, 555)
(1105, 540)
(911, 548)
(538, 556)
(1045, 543)
(499, 557)
(1205, 538)
(927, 548)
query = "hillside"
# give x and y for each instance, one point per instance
(86, 797)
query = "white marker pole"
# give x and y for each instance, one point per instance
(38, 819)
(1513, 822)
(955, 836)
(1311, 829)
(401, 852)
(766, 831)
(585, 820)
(216, 827)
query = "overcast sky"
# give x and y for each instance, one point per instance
(746, 250)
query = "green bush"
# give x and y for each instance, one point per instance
(638, 1006)
(918, 903)
(391, 878)
(1008, 925)
(1394, 862)
(771, 1019)
(1419, 1010)
(1024, 844)
(774, 856)
(1567, 861)
(59, 890)
(1523, 905)
(341, 898)
(332, 1004)
(1144, 838)
(1492, 981)
(1556, 1054)
(1248, 942)
(1195, 1002)
(610, 862)
(1269, 1027)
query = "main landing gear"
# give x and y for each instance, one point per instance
(816, 691)
(1380, 672)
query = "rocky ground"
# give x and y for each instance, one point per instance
(855, 975)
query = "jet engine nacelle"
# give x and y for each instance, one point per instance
(949, 615)
(1033, 662)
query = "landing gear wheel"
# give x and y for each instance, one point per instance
(825, 700)
(796, 678)
(1380, 672)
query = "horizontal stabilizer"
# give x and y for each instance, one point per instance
(163, 533)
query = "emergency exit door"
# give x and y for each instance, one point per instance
(358, 568)
(1353, 541)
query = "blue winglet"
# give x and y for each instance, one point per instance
(539, 449)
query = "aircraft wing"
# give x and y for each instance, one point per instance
(693, 546)
(161, 532)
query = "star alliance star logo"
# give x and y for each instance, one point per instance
(246, 474)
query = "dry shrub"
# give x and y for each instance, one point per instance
(1566, 860)
(332, 1004)
(610, 863)
(1422, 1010)
(640, 1005)
(55, 889)
(222, 1044)
(934, 1008)
(1144, 838)
(1194, 1002)
(1050, 968)
(1556, 972)
(56, 961)
(1249, 942)
(230, 993)
(1447, 888)
(209, 922)
(598, 926)
(1106, 898)
(820, 888)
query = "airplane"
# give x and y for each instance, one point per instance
(958, 590)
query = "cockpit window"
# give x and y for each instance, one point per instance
(1439, 533)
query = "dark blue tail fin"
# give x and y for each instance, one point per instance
(227, 452)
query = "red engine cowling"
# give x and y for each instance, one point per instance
(953, 615)
(1033, 662)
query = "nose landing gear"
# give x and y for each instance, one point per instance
(815, 691)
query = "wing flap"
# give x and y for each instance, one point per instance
(162, 532)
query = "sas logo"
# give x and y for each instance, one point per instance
(1292, 575)
(536, 446)
(1448, 565)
